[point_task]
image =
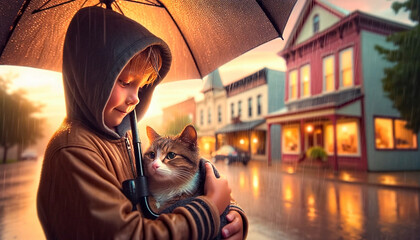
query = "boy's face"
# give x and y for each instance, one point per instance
(124, 97)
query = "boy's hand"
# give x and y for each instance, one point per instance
(217, 189)
(234, 229)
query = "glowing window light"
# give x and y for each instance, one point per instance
(241, 141)
(309, 128)
(255, 140)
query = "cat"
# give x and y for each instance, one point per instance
(175, 170)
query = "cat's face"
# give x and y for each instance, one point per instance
(170, 161)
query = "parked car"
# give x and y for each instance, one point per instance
(29, 155)
(231, 154)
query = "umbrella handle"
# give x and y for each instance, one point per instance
(136, 190)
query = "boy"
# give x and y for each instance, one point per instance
(111, 65)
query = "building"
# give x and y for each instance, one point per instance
(334, 95)
(210, 112)
(185, 108)
(248, 100)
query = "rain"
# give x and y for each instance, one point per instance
(326, 131)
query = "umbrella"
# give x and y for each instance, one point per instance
(202, 34)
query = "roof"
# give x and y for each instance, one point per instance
(333, 100)
(213, 81)
(309, 4)
(361, 19)
(241, 126)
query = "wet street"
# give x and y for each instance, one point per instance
(283, 205)
(279, 205)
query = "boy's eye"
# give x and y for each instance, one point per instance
(171, 155)
(122, 83)
(152, 155)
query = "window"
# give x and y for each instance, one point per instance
(209, 116)
(219, 113)
(347, 138)
(249, 107)
(328, 73)
(259, 110)
(201, 117)
(384, 138)
(239, 109)
(392, 134)
(305, 79)
(290, 139)
(293, 85)
(316, 23)
(346, 68)
(232, 110)
(404, 138)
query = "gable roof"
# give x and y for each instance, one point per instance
(360, 19)
(213, 81)
(306, 10)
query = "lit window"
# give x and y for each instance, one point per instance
(328, 72)
(392, 134)
(305, 79)
(347, 138)
(404, 138)
(346, 67)
(316, 23)
(293, 84)
(384, 133)
(290, 139)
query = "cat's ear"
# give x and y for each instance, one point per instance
(189, 135)
(151, 134)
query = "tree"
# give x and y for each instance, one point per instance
(402, 80)
(18, 123)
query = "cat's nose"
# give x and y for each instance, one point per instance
(155, 166)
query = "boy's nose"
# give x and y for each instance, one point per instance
(133, 98)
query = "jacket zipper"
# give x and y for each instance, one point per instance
(128, 146)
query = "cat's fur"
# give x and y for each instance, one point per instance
(175, 171)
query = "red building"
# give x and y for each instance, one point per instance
(334, 96)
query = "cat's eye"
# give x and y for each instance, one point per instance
(152, 155)
(171, 155)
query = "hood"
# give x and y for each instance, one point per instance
(99, 43)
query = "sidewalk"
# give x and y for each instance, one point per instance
(400, 179)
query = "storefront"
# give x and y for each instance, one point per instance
(337, 129)
(248, 136)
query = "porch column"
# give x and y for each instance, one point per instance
(215, 142)
(269, 143)
(302, 141)
(334, 123)
(249, 143)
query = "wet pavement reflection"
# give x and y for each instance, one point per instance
(280, 205)
(284, 204)
(18, 186)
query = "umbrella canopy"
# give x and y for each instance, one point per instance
(202, 34)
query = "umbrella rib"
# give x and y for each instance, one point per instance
(14, 24)
(183, 37)
(40, 9)
(270, 18)
(145, 3)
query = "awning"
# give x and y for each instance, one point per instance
(241, 126)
